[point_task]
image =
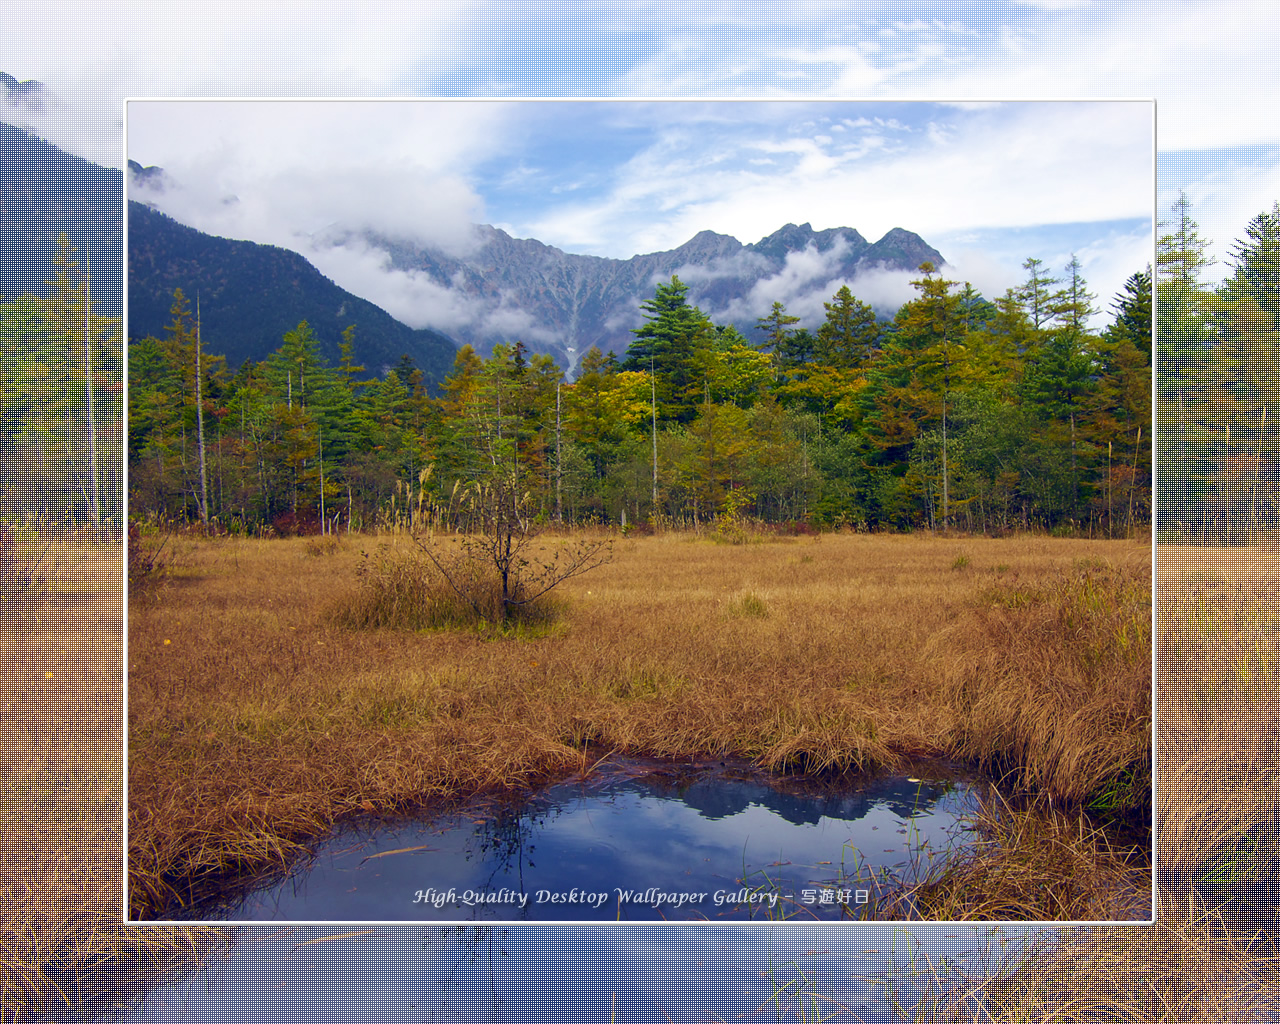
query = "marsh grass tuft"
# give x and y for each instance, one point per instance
(749, 604)
(1184, 969)
(148, 560)
(1053, 683)
(325, 544)
(1029, 864)
(63, 946)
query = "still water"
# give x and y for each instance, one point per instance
(631, 974)
(631, 840)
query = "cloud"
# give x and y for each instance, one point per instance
(232, 48)
(646, 177)
(283, 174)
(802, 285)
(931, 168)
(806, 281)
(413, 297)
(416, 298)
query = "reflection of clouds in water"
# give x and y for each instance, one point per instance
(434, 973)
(678, 830)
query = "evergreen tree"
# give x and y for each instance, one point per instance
(777, 331)
(1056, 383)
(1122, 401)
(667, 346)
(1183, 328)
(1074, 304)
(1180, 253)
(1037, 295)
(1256, 263)
(850, 332)
(910, 386)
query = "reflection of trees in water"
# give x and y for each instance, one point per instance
(506, 838)
(483, 948)
(501, 835)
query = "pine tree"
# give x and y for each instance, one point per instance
(924, 361)
(667, 345)
(850, 332)
(1074, 303)
(1037, 295)
(1183, 329)
(1256, 263)
(1122, 401)
(1180, 254)
(777, 331)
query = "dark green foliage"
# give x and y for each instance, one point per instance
(850, 332)
(669, 345)
(959, 413)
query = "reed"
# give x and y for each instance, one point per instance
(1029, 864)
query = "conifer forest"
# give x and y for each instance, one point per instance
(960, 412)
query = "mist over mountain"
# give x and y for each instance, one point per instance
(494, 288)
(562, 303)
(251, 294)
(29, 95)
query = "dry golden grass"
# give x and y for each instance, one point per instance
(59, 826)
(1179, 971)
(256, 720)
(1212, 954)
(62, 939)
(1219, 715)
(1031, 864)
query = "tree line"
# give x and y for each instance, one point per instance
(61, 410)
(1219, 383)
(958, 412)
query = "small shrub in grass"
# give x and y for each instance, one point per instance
(500, 570)
(399, 591)
(961, 562)
(410, 591)
(325, 544)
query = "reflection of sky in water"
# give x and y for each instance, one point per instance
(630, 972)
(641, 973)
(686, 832)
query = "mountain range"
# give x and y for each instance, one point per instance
(506, 288)
(503, 290)
(251, 294)
(570, 302)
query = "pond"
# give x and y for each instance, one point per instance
(637, 974)
(632, 840)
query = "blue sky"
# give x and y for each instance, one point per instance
(987, 184)
(1210, 67)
